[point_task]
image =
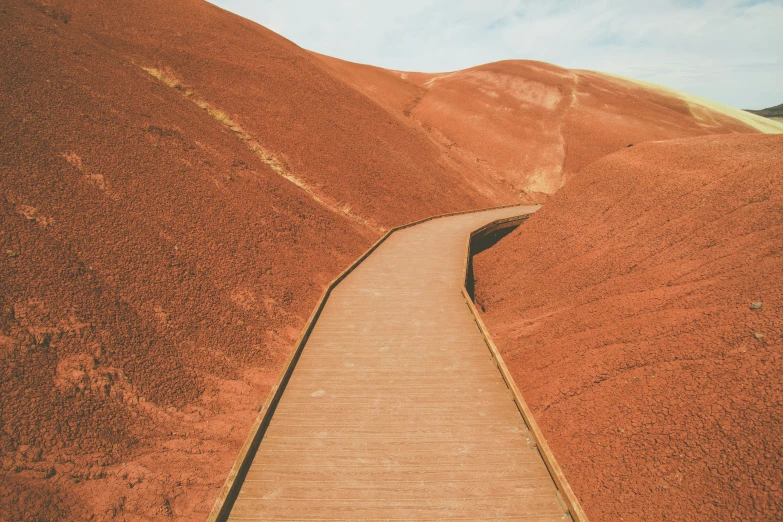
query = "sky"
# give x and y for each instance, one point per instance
(725, 50)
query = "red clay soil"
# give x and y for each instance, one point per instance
(529, 125)
(350, 150)
(178, 185)
(155, 268)
(623, 309)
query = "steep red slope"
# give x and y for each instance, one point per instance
(352, 153)
(529, 125)
(177, 187)
(153, 268)
(624, 309)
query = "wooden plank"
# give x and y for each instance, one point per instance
(395, 395)
(233, 482)
(411, 509)
(309, 490)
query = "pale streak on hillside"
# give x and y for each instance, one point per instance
(698, 106)
(263, 154)
(529, 125)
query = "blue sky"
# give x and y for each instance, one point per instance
(726, 50)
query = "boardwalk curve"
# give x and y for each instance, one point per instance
(395, 409)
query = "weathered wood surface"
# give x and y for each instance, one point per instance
(396, 409)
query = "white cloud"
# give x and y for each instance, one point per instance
(726, 50)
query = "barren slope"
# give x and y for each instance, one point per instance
(177, 187)
(345, 147)
(530, 125)
(623, 308)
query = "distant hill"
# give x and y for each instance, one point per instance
(774, 113)
(531, 125)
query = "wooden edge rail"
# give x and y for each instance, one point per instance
(565, 492)
(236, 476)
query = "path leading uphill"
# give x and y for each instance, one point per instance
(396, 410)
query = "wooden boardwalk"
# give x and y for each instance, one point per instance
(395, 409)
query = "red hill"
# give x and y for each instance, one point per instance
(625, 310)
(530, 125)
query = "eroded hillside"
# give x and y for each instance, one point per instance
(177, 185)
(640, 313)
(530, 125)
